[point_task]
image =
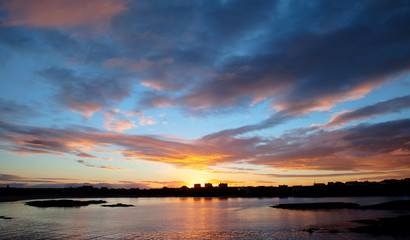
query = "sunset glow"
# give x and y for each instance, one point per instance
(142, 94)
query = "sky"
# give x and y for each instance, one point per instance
(152, 94)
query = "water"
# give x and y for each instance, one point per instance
(187, 218)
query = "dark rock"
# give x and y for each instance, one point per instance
(4, 217)
(397, 226)
(310, 230)
(63, 203)
(118, 205)
(311, 206)
(333, 231)
(393, 205)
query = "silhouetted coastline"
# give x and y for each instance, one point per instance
(390, 187)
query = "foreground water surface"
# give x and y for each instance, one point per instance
(189, 218)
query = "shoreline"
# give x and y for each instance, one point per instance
(15, 198)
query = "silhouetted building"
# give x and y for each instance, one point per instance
(352, 183)
(388, 181)
(197, 185)
(223, 185)
(208, 185)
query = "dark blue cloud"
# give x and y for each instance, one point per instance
(11, 110)
(296, 54)
(212, 55)
(86, 94)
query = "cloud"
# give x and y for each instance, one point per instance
(148, 120)
(364, 147)
(85, 94)
(300, 57)
(395, 105)
(64, 14)
(35, 44)
(113, 123)
(9, 178)
(102, 167)
(85, 155)
(21, 181)
(120, 125)
(154, 100)
(116, 120)
(213, 56)
(336, 174)
(273, 120)
(11, 110)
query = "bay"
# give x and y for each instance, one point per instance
(189, 218)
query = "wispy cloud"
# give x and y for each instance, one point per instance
(10, 178)
(395, 105)
(114, 121)
(272, 121)
(118, 120)
(21, 181)
(102, 167)
(10, 110)
(64, 14)
(337, 174)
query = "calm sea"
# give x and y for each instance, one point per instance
(187, 218)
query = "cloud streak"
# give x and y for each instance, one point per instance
(395, 105)
(102, 167)
(21, 181)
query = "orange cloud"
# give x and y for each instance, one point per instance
(325, 101)
(115, 120)
(148, 120)
(63, 14)
(363, 147)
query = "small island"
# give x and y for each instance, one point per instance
(63, 203)
(402, 205)
(395, 226)
(118, 205)
(313, 206)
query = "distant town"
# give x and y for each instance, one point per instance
(391, 187)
